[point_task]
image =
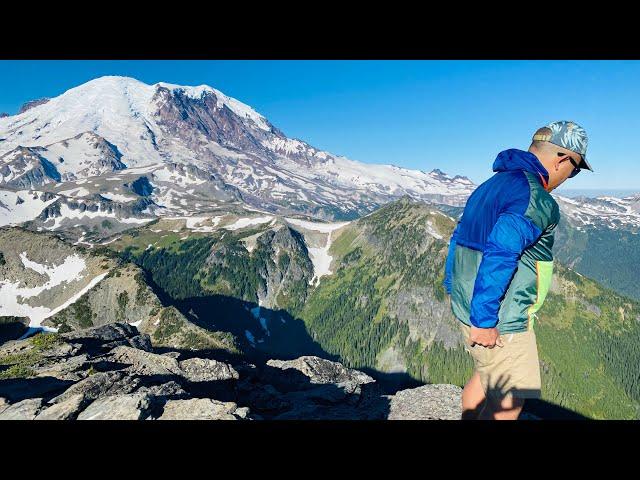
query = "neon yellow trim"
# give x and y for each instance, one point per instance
(544, 273)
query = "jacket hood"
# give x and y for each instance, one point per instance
(514, 159)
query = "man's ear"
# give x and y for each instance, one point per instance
(558, 161)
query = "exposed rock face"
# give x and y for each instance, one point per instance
(65, 410)
(111, 373)
(171, 389)
(299, 269)
(63, 368)
(24, 410)
(207, 370)
(26, 168)
(320, 370)
(118, 407)
(142, 186)
(145, 363)
(169, 328)
(32, 103)
(122, 296)
(199, 409)
(97, 385)
(429, 402)
(104, 334)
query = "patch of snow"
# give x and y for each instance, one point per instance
(116, 197)
(317, 226)
(321, 261)
(250, 337)
(67, 213)
(263, 321)
(110, 241)
(70, 270)
(246, 222)
(432, 230)
(14, 213)
(75, 192)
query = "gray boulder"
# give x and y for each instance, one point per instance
(175, 355)
(207, 370)
(100, 384)
(199, 409)
(24, 410)
(64, 368)
(105, 333)
(61, 350)
(66, 410)
(317, 371)
(141, 342)
(145, 363)
(429, 402)
(134, 406)
(169, 389)
(242, 412)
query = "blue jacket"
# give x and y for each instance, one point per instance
(499, 264)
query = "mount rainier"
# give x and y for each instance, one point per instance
(115, 148)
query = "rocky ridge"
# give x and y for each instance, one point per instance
(112, 372)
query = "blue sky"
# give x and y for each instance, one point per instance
(452, 115)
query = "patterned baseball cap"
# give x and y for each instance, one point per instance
(569, 135)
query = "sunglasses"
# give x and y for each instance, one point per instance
(576, 167)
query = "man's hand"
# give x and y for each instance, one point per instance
(487, 337)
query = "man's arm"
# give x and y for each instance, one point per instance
(510, 236)
(448, 268)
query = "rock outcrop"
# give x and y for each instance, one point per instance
(118, 407)
(429, 402)
(112, 372)
(200, 409)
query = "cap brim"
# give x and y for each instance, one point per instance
(585, 165)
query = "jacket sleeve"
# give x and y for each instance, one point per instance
(510, 236)
(448, 268)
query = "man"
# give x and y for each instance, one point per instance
(499, 268)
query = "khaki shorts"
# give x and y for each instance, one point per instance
(509, 370)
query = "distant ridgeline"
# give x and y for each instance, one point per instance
(598, 192)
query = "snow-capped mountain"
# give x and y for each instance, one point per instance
(191, 148)
(119, 150)
(606, 212)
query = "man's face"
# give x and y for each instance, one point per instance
(564, 163)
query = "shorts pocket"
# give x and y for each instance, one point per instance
(481, 354)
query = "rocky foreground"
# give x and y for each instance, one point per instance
(113, 373)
